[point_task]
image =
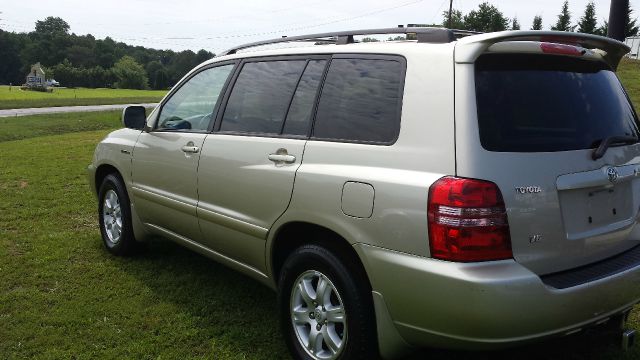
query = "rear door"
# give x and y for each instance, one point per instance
(530, 123)
(248, 165)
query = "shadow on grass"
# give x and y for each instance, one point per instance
(233, 314)
(596, 343)
(238, 311)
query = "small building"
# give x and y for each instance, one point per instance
(36, 77)
(634, 43)
(36, 80)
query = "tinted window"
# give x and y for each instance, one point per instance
(360, 101)
(261, 95)
(191, 106)
(300, 111)
(548, 103)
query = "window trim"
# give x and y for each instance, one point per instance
(365, 56)
(306, 57)
(185, 80)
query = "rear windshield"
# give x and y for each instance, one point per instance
(536, 103)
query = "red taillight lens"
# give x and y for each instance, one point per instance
(467, 221)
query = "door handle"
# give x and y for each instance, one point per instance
(282, 156)
(190, 148)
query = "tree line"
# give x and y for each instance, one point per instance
(82, 60)
(487, 18)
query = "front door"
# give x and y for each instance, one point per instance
(165, 159)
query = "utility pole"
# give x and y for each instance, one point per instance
(617, 19)
(450, 10)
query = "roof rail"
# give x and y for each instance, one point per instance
(423, 35)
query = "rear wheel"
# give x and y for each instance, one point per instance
(325, 307)
(114, 214)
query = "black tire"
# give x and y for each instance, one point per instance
(126, 243)
(354, 292)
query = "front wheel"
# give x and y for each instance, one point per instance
(114, 214)
(326, 308)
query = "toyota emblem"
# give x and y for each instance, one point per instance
(612, 173)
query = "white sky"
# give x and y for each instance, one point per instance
(217, 25)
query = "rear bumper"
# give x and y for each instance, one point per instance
(486, 305)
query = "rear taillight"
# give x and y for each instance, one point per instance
(467, 221)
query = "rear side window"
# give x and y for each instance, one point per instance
(260, 97)
(540, 103)
(300, 111)
(361, 101)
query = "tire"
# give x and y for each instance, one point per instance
(114, 217)
(303, 313)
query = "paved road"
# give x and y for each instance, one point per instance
(65, 109)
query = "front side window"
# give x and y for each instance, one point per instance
(261, 95)
(361, 101)
(191, 107)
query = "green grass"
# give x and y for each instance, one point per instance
(629, 74)
(62, 296)
(24, 127)
(17, 98)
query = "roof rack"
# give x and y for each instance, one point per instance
(423, 35)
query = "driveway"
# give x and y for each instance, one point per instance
(65, 109)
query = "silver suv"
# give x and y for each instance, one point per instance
(458, 190)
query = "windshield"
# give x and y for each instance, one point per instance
(538, 103)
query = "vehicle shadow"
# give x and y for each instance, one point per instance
(601, 342)
(231, 315)
(239, 314)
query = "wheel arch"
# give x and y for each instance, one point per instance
(102, 171)
(294, 234)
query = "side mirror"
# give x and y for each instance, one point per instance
(134, 117)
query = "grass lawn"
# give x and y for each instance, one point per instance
(24, 127)
(63, 296)
(629, 74)
(17, 98)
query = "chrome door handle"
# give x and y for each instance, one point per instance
(190, 149)
(281, 156)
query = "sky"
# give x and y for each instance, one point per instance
(217, 25)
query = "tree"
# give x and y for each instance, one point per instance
(537, 23)
(129, 74)
(10, 55)
(204, 55)
(369, 39)
(457, 21)
(486, 19)
(603, 29)
(515, 25)
(157, 74)
(564, 19)
(181, 63)
(630, 28)
(83, 60)
(588, 22)
(52, 25)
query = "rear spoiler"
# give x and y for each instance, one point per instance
(469, 48)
